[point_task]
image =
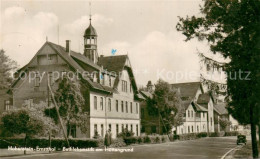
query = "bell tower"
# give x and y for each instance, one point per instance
(90, 42)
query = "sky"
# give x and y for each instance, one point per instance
(145, 30)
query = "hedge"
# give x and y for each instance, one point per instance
(44, 142)
(231, 133)
(146, 139)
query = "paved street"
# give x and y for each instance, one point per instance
(212, 148)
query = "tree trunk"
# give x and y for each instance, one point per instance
(25, 144)
(259, 133)
(69, 128)
(253, 132)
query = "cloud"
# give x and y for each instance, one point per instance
(79, 25)
(24, 34)
(162, 55)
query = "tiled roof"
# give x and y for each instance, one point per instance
(221, 108)
(203, 98)
(113, 63)
(62, 52)
(187, 91)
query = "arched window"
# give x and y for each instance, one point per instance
(101, 103)
(109, 104)
(188, 113)
(95, 102)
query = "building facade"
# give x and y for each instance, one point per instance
(111, 98)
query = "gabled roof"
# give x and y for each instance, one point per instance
(187, 91)
(146, 94)
(71, 62)
(199, 108)
(220, 108)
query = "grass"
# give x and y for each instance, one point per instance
(245, 151)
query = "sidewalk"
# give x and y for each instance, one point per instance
(9, 153)
(245, 152)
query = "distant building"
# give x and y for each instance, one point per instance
(198, 106)
(112, 98)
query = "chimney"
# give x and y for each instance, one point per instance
(68, 46)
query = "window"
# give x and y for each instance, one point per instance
(116, 105)
(122, 127)
(102, 130)
(131, 127)
(117, 130)
(191, 128)
(137, 108)
(109, 128)
(191, 113)
(37, 81)
(49, 57)
(124, 86)
(95, 102)
(7, 105)
(137, 130)
(122, 106)
(109, 104)
(203, 115)
(198, 128)
(126, 126)
(188, 113)
(126, 107)
(101, 103)
(203, 126)
(131, 107)
(28, 102)
(95, 129)
(188, 129)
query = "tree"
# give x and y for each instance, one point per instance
(167, 102)
(6, 67)
(224, 123)
(71, 104)
(231, 28)
(30, 121)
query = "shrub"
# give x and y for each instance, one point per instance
(130, 140)
(147, 139)
(96, 135)
(214, 134)
(202, 134)
(125, 133)
(139, 140)
(231, 133)
(118, 142)
(176, 137)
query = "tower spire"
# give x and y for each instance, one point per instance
(90, 12)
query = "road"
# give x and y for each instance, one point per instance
(211, 148)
